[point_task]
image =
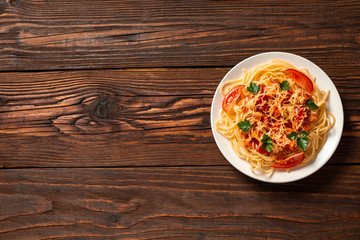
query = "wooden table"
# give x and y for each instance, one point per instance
(105, 120)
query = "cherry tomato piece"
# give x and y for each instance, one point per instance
(255, 143)
(291, 161)
(261, 150)
(231, 97)
(301, 79)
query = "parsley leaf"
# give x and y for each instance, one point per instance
(253, 88)
(302, 142)
(301, 139)
(310, 103)
(267, 143)
(303, 133)
(285, 85)
(245, 125)
(293, 135)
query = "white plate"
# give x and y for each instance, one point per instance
(334, 105)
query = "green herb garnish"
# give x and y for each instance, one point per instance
(284, 85)
(267, 143)
(253, 88)
(245, 125)
(310, 103)
(293, 135)
(302, 142)
(301, 139)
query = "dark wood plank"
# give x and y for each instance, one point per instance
(108, 118)
(122, 118)
(176, 203)
(67, 34)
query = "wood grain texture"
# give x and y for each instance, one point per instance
(137, 117)
(126, 87)
(177, 203)
(67, 34)
(107, 118)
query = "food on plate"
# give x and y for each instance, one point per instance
(275, 116)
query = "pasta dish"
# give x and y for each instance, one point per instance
(275, 116)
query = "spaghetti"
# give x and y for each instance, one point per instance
(275, 116)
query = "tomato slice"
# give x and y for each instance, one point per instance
(291, 161)
(231, 97)
(254, 142)
(301, 79)
(261, 150)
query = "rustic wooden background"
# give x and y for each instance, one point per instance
(105, 120)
